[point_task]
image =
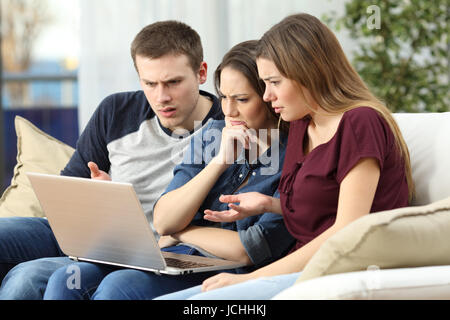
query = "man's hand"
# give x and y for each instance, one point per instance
(98, 174)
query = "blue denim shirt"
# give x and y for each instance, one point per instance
(265, 236)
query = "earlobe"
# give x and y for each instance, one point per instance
(203, 72)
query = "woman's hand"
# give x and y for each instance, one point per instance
(250, 204)
(98, 174)
(223, 280)
(229, 150)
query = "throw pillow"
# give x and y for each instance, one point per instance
(405, 237)
(36, 152)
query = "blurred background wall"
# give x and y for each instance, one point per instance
(109, 26)
(60, 58)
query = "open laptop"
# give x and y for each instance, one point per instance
(103, 222)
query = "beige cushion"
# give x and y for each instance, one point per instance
(36, 152)
(405, 237)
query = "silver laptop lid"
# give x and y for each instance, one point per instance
(97, 220)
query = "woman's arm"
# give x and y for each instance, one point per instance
(222, 243)
(356, 195)
(175, 210)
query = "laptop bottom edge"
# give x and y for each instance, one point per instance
(167, 271)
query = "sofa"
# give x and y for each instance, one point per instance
(396, 254)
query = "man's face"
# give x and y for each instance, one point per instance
(172, 89)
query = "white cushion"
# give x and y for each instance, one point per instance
(427, 136)
(374, 284)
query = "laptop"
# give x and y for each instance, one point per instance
(103, 222)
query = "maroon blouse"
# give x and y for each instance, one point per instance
(309, 185)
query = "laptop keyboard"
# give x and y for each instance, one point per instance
(182, 264)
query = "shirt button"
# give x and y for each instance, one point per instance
(241, 175)
(254, 174)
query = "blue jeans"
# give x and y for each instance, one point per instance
(258, 289)
(84, 281)
(21, 241)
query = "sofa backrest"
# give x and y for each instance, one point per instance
(428, 138)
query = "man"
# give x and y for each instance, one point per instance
(135, 137)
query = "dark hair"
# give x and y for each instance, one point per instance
(242, 58)
(168, 37)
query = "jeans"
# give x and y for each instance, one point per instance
(91, 281)
(22, 240)
(258, 289)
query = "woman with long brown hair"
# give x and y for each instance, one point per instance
(345, 156)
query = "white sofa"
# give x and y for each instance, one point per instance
(398, 254)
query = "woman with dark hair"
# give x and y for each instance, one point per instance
(244, 153)
(345, 156)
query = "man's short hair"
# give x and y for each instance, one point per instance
(168, 37)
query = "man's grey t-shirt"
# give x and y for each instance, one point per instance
(126, 139)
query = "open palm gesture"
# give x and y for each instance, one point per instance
(250, 204)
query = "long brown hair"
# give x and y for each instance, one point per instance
(242, 58)
(305, 50)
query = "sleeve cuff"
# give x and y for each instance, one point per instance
(255, 244)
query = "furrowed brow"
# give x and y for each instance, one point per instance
(270, 78)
